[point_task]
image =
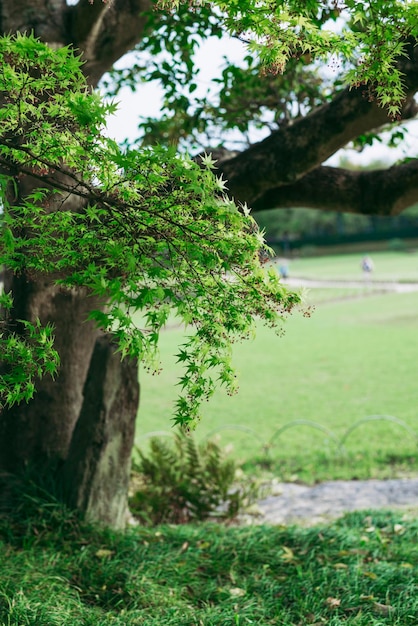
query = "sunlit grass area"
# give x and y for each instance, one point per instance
(388, 266)
(351, 365)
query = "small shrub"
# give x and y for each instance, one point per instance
(181, 481)
(397, 245)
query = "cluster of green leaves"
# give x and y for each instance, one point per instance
(382, 30)
(372, 36)
(24, 358)
(361, 41)
(146, 230)
(180, 481)
(239, 100)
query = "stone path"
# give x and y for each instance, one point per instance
(292, 503)
(393, 286)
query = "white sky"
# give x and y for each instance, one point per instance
(147, 100)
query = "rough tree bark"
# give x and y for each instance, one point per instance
(96, 470)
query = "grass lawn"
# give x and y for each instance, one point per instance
(388, 266)
(352, 360)
(359, 571)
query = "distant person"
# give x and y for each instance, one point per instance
(284, 269)
(367, 266)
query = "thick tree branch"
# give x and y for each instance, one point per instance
(105, 32)
(374, 192)
(290, 153)
(45, 18)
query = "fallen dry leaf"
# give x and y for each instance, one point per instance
(288, 554)
(371, 575)
(333, 603)
(104, 553)
(382, 609)
(184, 546)
(236, 592)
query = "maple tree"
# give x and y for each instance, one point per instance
(93, 234)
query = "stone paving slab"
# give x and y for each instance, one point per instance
(311, 505)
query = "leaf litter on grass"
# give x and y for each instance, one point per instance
(361, 570)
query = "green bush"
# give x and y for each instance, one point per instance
(397, 245)
(180, 481)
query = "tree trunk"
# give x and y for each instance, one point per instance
(81, 425)
(37, 438)
(97, 468)
(39, 433)
(78, 431)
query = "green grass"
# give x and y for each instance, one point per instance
(353, 358)
(388, 266)
(359, 571)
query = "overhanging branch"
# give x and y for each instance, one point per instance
(289, 154)
(375, 192)
(43, 18)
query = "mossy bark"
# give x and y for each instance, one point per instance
(96, 471)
